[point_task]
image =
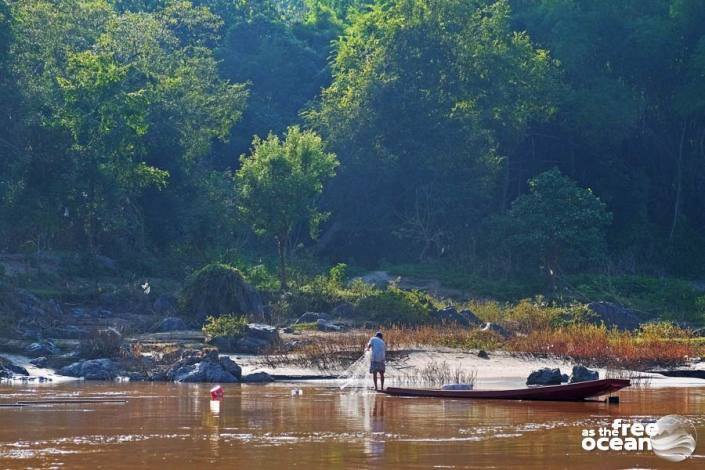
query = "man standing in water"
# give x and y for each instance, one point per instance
(376, 344)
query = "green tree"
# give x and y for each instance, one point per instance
(429, 103)
(136, 101)
(279, 184)
(286, 63)
(557, 224)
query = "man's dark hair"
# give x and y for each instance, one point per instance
(379, 334)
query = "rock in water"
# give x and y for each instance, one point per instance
(194, 366)
(545, 376)
(230, 366)
(94, 369)
(614, 315)
(39, 362)
(8, 370)
(583, 374)
(205, 371)
(482, 354)
(257, 377)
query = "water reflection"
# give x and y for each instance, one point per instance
(267, 427)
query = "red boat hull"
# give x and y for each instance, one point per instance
(568, 392)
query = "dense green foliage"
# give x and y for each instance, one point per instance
(123, 122)
(396, 306)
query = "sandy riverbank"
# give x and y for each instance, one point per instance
(501, 370)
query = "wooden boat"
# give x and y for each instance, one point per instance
(569, 392)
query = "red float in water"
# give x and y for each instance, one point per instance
(217, 393)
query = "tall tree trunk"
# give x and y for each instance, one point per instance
(281, 248)
(679, 182)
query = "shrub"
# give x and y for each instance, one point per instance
(322, 293)
(218, 289)
(597, 345)
(396, 306)
(102, 343)
(225, 325)
(262, 278)
(529, 314)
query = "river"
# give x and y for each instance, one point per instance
(171, 426)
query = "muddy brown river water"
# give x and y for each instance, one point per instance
(171, 426)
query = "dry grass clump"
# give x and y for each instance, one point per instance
(601, 346)
(333, 351)
(434, 374)
(637, 379)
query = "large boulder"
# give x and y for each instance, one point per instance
(451, 315)
(8, 370)
(545, 376)
(205, 371)
(219, 289)
(67, 332)
(613, 315)
(170, 324)
(230, 366)
(583, 374)
(94, 369)
(256, 340)
(40, 362)
(32, 306)
(195, 366)
(41, 348)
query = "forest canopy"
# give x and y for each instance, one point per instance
(506, 137)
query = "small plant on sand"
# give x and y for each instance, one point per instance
(225, 325)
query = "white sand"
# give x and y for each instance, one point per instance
(501, 370)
